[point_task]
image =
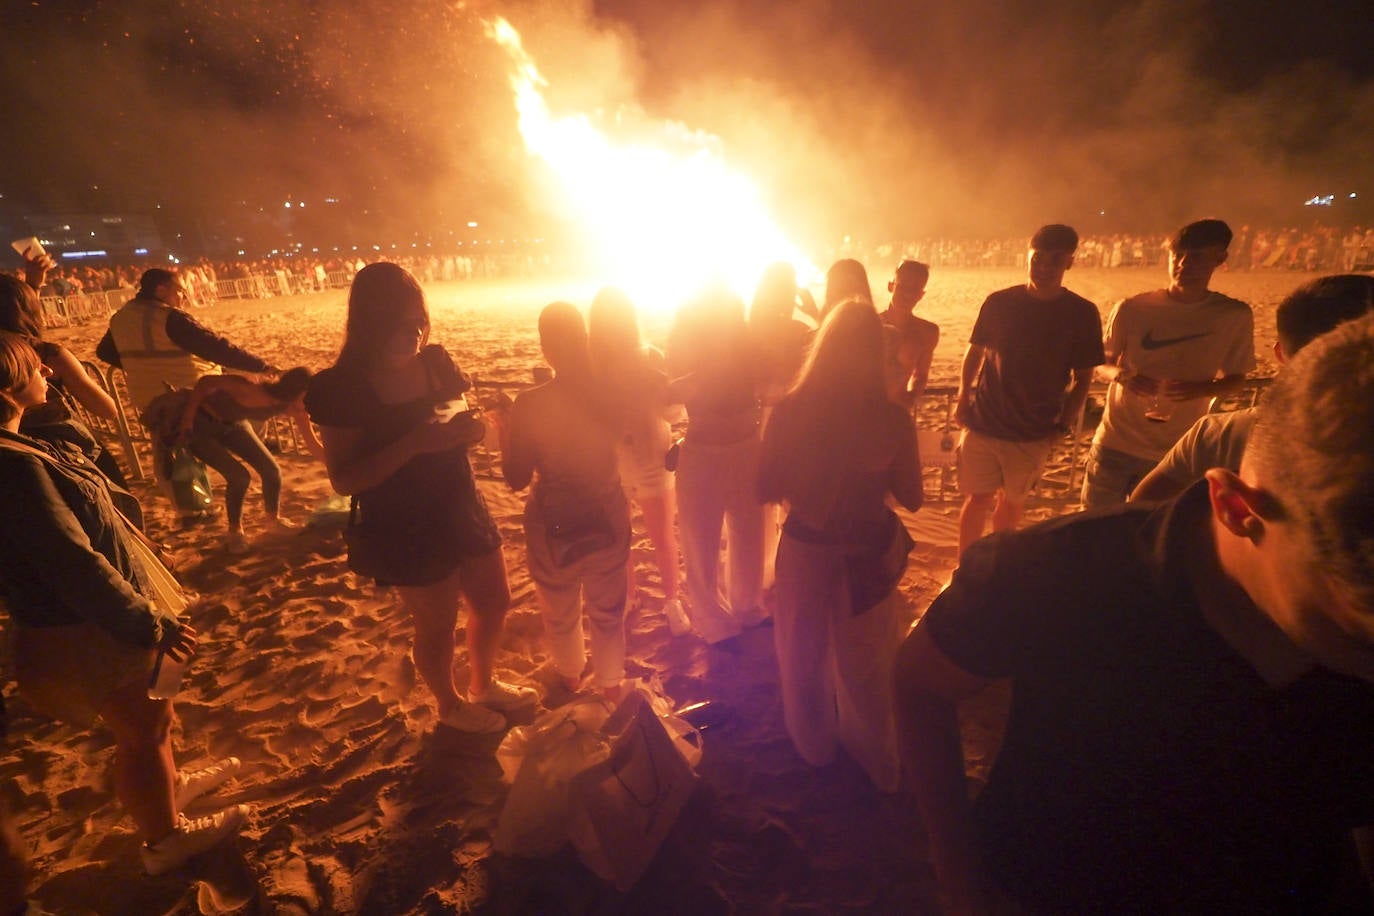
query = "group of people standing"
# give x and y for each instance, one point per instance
(1250, 591)
(594, 440)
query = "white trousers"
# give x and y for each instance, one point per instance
(715, 489)
(835, 667)
(599, 581)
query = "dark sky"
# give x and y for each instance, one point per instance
(879, 119)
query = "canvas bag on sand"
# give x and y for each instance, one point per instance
(621, 809)
(540, 759)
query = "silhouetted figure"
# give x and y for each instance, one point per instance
(1192, 682)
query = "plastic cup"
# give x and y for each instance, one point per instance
(29, 248)
(1160, 409)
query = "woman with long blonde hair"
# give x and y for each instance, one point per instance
(835, 449)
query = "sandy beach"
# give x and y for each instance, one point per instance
(362, 807)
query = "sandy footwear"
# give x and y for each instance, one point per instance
(678, 622)
(192, 784)
(752, 617)
(719, 629)
(236, 543)
(474, 718)
(191, 837)
(503, 696)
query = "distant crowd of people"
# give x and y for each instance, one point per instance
(1313, 249)
(1192, 678)
(297, 273)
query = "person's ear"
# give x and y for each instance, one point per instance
(1278, 352)
(1236, 504)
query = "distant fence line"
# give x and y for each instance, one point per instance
(78, 308)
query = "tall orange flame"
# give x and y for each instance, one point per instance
(664, 222)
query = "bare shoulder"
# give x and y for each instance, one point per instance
(62, 361)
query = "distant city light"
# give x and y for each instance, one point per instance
(1321, 200)
(97, 253)
(472, 225)
(140, 251)
(1352, 195)
(288, 205)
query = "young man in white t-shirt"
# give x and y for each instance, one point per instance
(1170, 352)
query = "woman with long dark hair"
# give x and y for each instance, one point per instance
(835, 449)
(386, 411)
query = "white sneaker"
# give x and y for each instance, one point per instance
(679, 624)
(503, 696)
(192, 784)
(752, 617)
(718, 628)
(191, 837)
(473, 718)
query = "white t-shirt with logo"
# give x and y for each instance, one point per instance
(1156, 336)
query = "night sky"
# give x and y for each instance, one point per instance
(878, 119)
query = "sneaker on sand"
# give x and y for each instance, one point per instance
(678, 622)
(191, 837)
(752, 617)
(192, 784)
(473, 717)
(503, 696)
(718, 628)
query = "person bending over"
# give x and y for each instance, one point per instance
(1192, 682)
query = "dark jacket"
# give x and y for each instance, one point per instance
(64, 550)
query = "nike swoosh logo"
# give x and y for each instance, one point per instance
(1150, 343)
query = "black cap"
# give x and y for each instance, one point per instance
(1204, 233)
(1055, 237)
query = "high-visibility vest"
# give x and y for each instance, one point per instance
(150, 359)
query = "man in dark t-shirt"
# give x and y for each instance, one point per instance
(1015, 397)
(1192, 683)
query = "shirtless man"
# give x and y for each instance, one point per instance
(1192, 681)
(908, 342)
(577, 521)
